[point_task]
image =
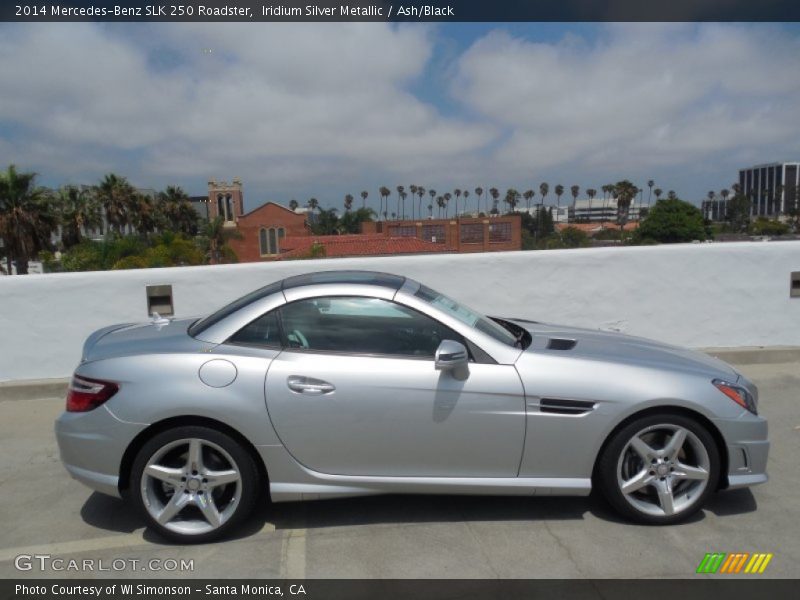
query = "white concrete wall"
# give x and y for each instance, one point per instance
(701, 295)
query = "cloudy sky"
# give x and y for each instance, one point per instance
(302, 110)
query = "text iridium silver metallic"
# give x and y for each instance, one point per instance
(329, 383)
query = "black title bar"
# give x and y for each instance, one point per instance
(421, 11)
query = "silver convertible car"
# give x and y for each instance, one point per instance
(347, 383)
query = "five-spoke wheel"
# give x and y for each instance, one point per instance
(659, 469)
(194, 483)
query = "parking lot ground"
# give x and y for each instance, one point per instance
(44, 512)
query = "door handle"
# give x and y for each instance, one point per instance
(309, 385)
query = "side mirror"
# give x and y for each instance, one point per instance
(452, 356)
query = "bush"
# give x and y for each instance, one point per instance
(672, 221)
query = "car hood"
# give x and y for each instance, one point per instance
(615, 347)
(128, 339)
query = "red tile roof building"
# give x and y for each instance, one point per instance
(337, 246)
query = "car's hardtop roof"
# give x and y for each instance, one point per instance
(388, 280)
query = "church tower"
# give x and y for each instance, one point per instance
(225, 200)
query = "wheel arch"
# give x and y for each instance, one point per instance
(154, 429)
(715, 433)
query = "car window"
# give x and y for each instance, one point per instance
(238, 304)
(359, 325)
(465, 315)
(264, 331)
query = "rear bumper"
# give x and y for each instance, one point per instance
(748, 450)
(92, 444)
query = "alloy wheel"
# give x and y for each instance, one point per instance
(191, 486)
(663, 470)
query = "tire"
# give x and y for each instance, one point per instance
(659, 469)
(194, 484)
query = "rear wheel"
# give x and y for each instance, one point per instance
(194, 484)
(659, 469)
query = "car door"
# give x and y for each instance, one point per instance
(356, 393)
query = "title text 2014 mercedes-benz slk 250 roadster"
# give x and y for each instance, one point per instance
(346, 383)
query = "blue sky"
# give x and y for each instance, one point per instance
(321, 110)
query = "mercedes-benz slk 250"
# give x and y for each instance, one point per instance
(347, 383)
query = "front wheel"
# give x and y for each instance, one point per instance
(194, 484)
(659, 469)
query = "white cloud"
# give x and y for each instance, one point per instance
(312, 107)
(639, 96)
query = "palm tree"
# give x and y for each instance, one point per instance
(657, 193)
(400, 197)
(650, 184)
(457, 194)
(737, 189)
(403, 196)
(143, 214)
(77, 211)
(430, 210)
(447, 197)
(116, 196)
(559, 192)
(466, 197)
(432, 194)
(672, 195)
(495, 194)
(313, 204)
(364, 196)
(440, 204)
(544, 188)
(384, 192)
(528, 195)
(574, 190)
(293, 204)
(512, 198)
(176, 211)
(27, 218)
(591, 192)
(420, 194)
(216, 237)
(625, 192)
(479, 193)
(348, 202)
(413, 189)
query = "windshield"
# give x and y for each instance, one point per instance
(466, 315)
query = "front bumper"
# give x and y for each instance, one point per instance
(748, 449)
(92, 444)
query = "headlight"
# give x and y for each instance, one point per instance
(738, 394)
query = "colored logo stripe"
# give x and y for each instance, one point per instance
(721, 562)
(711, 562)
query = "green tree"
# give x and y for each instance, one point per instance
(348, 202)
(326, 223)
(351, 221)
(215, 238)
(572, 237)
(672, 221)
(364, 196)
(737, 213)
(117, 197)
(177, 211)
(479, 193)
(77, 211)
(293, 204)
(495, 194)
(764, 226)
(27, 218)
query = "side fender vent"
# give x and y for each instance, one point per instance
(560, 344)
(565, 407)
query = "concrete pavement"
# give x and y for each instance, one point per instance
(44, 512)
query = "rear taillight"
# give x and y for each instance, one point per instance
(87, 394)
